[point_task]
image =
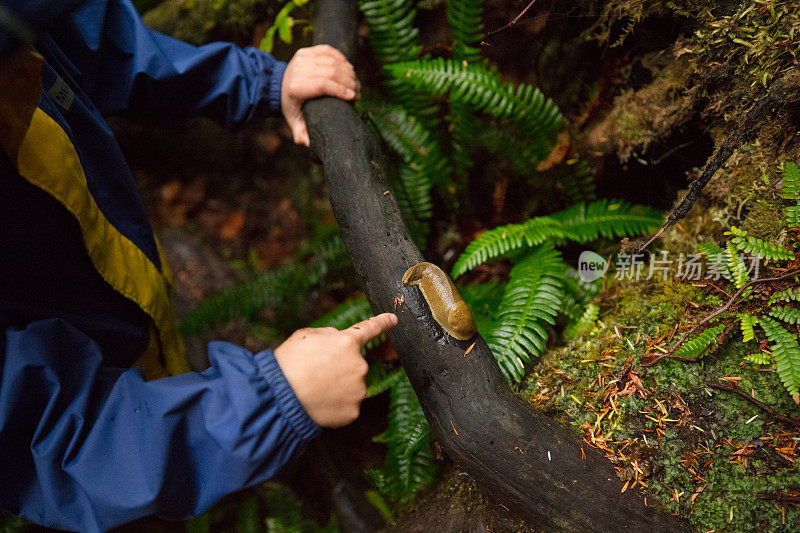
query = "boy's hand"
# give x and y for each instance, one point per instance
(316, 71)
(325, 368)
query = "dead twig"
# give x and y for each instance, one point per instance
(755, 115)
(732, 387)
(516, 19)
(779, 497)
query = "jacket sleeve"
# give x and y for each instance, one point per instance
(88, 448)
(127, 68)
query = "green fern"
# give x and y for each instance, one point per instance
(791, 192)
(736, 267)
(700, 343)
(466, 28)
(758, 358)
(753, 246)
(410, 466)
(785, 313)
(792, 294)
(284, 288)
(746, 323)
(786, 352)
(423, 162)
(483, 300)
(483, 90)
(581, 223)
(392, 33)
(379, 380)
(531, 300)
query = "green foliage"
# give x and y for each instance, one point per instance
(483, 90)
(747, 322)
(531, 300)
(786, 352)
(753, 246)
(581, 223)
(785, 313)
(466, 26)
(700, 343)
(758, 358)
(410, 465)
(791, 192)
(791, 294)
(282, 25)
(346, 314)
(283, 288)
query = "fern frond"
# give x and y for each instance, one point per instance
(346, 314)
(759, 358)
(700, 343)
(379, 381)
(484, 91)
(792, 294)
(392, 33)
(483, 299)
(284, 288)
(584, 323)
(531, 300)
(785, 313)
(786, 353)
(404, 474)
(746, 323)
(577, 179)
(466, 28)
(791, 182)
(736, 267)
(420, 436)
(754, 246)
(718, 260)
(581, 223)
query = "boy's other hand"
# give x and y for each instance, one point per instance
(325, 368)
(316, 71)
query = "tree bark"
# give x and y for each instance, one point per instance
(528, 461)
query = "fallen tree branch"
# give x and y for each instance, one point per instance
(731, 387)
(522, 457)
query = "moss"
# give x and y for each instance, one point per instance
(202, 21)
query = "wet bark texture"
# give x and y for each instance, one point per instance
(526, 460)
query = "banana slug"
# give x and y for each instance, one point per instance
(447, 306)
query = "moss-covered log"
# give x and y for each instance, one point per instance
(526, 460)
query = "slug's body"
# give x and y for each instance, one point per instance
(447, 306)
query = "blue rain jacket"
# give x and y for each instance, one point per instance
(87, 443)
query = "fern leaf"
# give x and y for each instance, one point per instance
(581, 223)
(531, 300)
(792, 294)
(346, 314)
(584, 323)
(785, 313)
(420, 436)
(466, 28)
(746, 323)
(736, 267)
(786, 352)
(483, 90)
(578, 181)
(404, 474)
(378, 381)
(759, 358)
(700, 343)
(754, 246)
(791, 182)
(392, 33)
(483, 299)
